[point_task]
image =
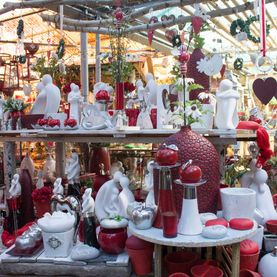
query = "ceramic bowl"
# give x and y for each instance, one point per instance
(271, 226)
(112, 241)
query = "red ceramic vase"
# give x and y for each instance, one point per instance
(197, 148)
(119, 96)
(99, 155)
(27, 206)
(41, 208)
(112, 241)
(132, 115)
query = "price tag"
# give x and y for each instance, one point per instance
(119, 135)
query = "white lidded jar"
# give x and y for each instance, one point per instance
(268, 264)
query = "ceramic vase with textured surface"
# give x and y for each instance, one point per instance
(197, 148)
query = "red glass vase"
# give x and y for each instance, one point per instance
(119, 96)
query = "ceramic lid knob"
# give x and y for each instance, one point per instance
(218, 221)
(248, 247)
(241, 224)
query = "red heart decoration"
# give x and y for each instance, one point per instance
(265, 90)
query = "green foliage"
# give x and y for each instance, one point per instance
(52, 68)
(198, 42)
(14, 105)
(121, 70)
(194, 86)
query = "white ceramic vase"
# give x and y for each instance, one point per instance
(238, 203)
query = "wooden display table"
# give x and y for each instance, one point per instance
(232, 239)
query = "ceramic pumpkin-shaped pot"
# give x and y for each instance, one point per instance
(193, 146)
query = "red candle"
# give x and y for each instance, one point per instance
(170, 222)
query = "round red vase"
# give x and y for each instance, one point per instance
(180, 262)
(141, 255)
(41, 208)
(195, 147)
(112, 241)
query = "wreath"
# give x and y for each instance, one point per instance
(250, 36)
(238, 64)
(237, 27)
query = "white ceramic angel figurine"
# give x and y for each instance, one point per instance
(15, 188)
(119, 122)
(72, 169)
(265, 207)
(226, 114)
(107, 201)
(144, 119)
(140, 90)
(28, 163)
(247, 178)
(149, 184)
(58, 187)
(53, 95)
(125, 196)
(40, 183)
(49, 169)
(40, 103)
(88, 204)
(75, 99)
(151, 88)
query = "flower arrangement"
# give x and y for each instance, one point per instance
(193, 112)
(14, 105)
(43, 194)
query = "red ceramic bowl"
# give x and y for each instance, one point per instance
(180, 262)
(112, 241)
(249, 261)
(249, 273)
(271, 226)
(206, 271)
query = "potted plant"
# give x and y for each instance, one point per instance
(41, 198)
(16, 107)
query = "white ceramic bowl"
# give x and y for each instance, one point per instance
(238, 203)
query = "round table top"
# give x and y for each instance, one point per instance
(155, 236)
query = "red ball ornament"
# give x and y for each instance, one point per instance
(184, 57)
(118, 14)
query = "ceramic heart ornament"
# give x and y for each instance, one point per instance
(150, 32)
(197, 23)
(170, 34)
(265, 90)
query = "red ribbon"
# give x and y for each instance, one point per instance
(263, 27)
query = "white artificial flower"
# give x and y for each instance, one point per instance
(192, 111)
(203, 96)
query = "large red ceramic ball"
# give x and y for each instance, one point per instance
(112, 241)
(190, 174)
(217, 221)
(166, 156)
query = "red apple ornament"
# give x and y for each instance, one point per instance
(168, 155)
(190, 173)
(54, 122)
(102, 95)
(70, 122)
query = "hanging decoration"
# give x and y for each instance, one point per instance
(250, 36)
(265, 89)
(20, 52)
(173, 37)
(210, 66)
(238, 64)
(150, 32)
(238, 29)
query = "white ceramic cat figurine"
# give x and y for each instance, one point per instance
(265, 206)
(58, 187)
(125, 196)
(15, 188)
(226, 114)
(88, 204)
(107, 201)
(149, 184)
(72, 169)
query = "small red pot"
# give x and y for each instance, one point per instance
(180, 262)
(178, 274)
(206, 271)
(141, 255)
(271, 226)
(112, 241)
(41, 208)
(249, 273)
(249, 261)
